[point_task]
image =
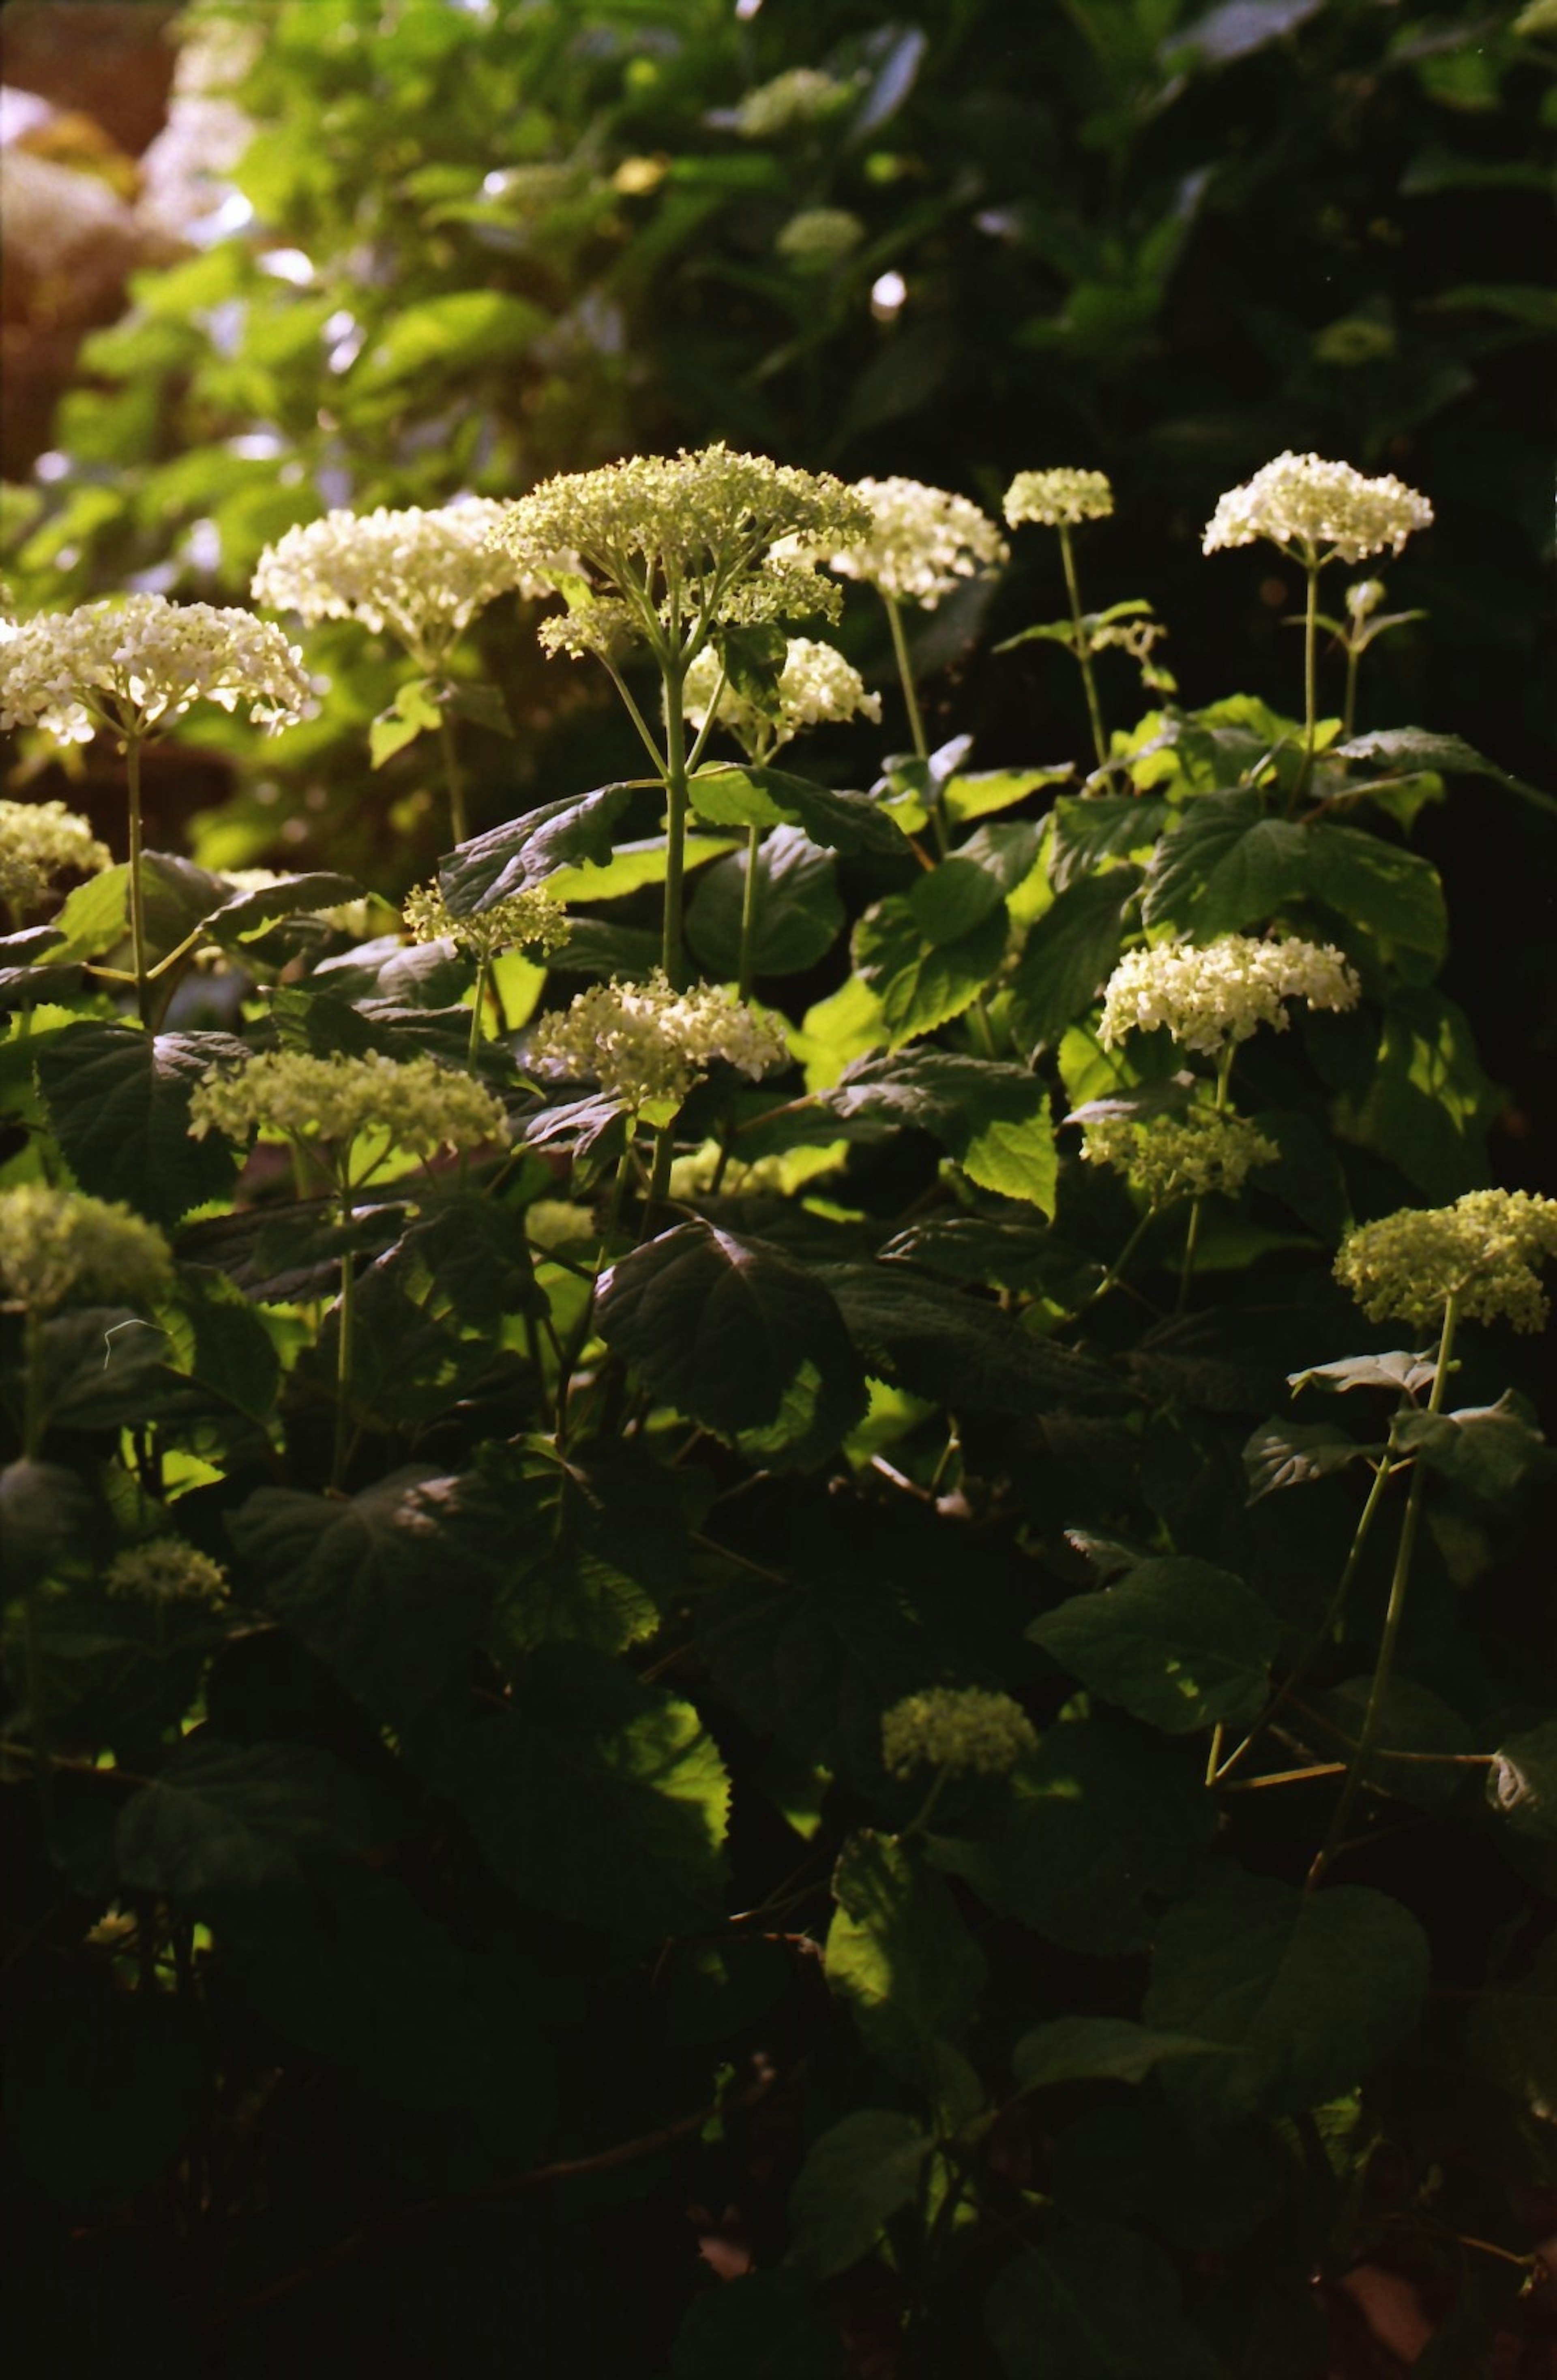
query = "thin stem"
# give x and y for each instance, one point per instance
(638, 720)
(1349, 710)
(345, 1317)
(137, 891)
(453, 782)
(1394, 1617)
(921, 1817)
(1082, 649)
(1186, 1268)
(673, 956)
(905, 674)
(1111, 1276)
(1310, 673)
(749, 914)
(478, 1009)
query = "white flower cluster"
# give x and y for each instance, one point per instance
(422, 1106)
(1318, 511)
(645, 1042)
(166, 1570)
(818, 236)
(815, 684)
(528, 920)
(59, 1246)
(1211, 994)
(1189, 1156)
(803, 96)
(422, 575)
(41, 841)
(1059, 499)
(132, 665)
(1482, 1251)
(956, 1727)
(923, 541)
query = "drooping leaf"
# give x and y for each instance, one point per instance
(1069, 954)
(119, 1102)
(248, 913)
(1225, 866)
(921, 983)
(727, 795)
(1096, 2301)
(854, 2178)
(1411, 749)
(513, 858)
(473, 1255)
(231, 1816)
(798, 913)
(1406, 1375)
(1177, 1643)
(993, 1118)
(1288, 1453)
(1488, 1451)
(723, 1328)
(1086, 2048)
(1311, 1989)
(1522, 1781)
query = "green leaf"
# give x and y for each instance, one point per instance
(1069, 953)
(719, 1988)
(230, 1815)
(50, 1517)
(994, 1119)
(471, 1255)
(953, 899)
(1289, 1453)
(1374, 884)
(799, 915)
(1429, 1102)
(1101, 1823)
(727, 795)
(481, 704)
(93, 917)
(1413, 1719)
(854, 2179)
(448, 335)
(632, 865)
(1405, 1376)
(766, 2325)
(722, 1327)
(1312, 1990)
(1225, 866)
(1522, 1781)
(844, 1025)
(413, 713)
(1417, 748)
(1177, 1643)
(119, 1102)
(513, 858)
(1490, 1451)
(98, 1367)
(1096, 2301)
(1512, 2036)
(1100, 2048)
(590, 1544)
(900, 1955)
(980, 792)
(101, 2088)
(921, 984)
(596, 1798)
(956, 1350)
(1235, 29)
(1090, 828)
(248, 913)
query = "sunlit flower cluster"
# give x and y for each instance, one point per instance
(644, 1042)
(59, 1247)
(130, 666)
(956, 1727)
(818, 236)
(802, 96)
(527, 920)
(1483, 1251)
(815, 684)
(1174, 1157)
(922, 543)
(422, 575)
(1058, 498)
(166, 1570)
(38, 842)
(1214, 992)
(421, 1106)
(1318, 511)
(667, 549)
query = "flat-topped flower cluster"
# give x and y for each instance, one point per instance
(421, 1106)
(1210, 993)
(1318, 511)
(422, 574)
(1175, 1157)
(166, 1570)
(921, 542)
(1061, 498)
(1482, 1252)
(61, 1248)
(39, 843)
(527, 920)
(956, 1727)
(646, 1042)
(131, 666)
(815, 684)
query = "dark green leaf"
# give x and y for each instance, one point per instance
(1225, 866)
(1413, 1721)
(473, 1255)
(1428, 1105)
(1090, 828)
(1418, 748)
(1488, 1451)
(727, 795)
(449, 334)
(1235, 29)
(766, 2325)
(953, 899)
(1289, 1453)
(725, 1328)
(229, 1817)
(119, 1102)
(1096, 2301)
(899, 1953)
(960, 1351)
(799, 915)
(101, 2087)
(718, 1988)
(1376, 885)
(481, 704)
(50, 1517)
(1086, 2048)
(1312, 1990)
(1513, 2033)
(993, 1118)
(921, 984)
(98, 1367)
(854, 2178)
(576, 832)
(248, 913)
(1068, 956)
(1522, 1781)
(1177, 1643)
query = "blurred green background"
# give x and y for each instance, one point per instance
(385, 250)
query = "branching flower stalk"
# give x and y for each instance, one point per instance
(1058, 499)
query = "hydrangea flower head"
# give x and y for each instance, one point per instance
(1482, 1252)
(166, 1570)
(527, 920)
(645, 1042)
(1189, 1156)
(59, 1247)
(41, 841)
(422, 1106)
(1058, 498)
(133, 665)
(422, 574)
(667, 548)
(923, 541)
(1209, 994)
(815, 684)
(956, 1727)
(1318, 511)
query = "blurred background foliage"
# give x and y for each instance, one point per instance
(393, 250)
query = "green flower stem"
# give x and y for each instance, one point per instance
(1082, 648)
(672, 955)
(1349, 709)
(454, 782)
(749, 914)
(905, 676)
(1110, 1277)
(477, 1010)
(1394, 1617)
(137, 890)
(922, 1816)
(1311, 672)
(1187, 1271)
(346, 1319)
